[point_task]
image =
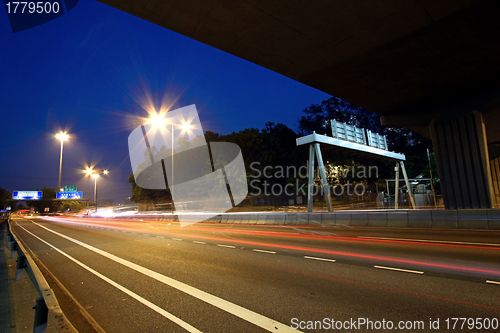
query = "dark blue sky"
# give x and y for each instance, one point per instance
(89, 71)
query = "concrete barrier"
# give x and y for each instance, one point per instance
(253, 218)
(236, 218)
(279, 218)
(397, 218)
(245, 218)
(377, 218)
(359, 218)
(444, 219)
(343, 217)
(290, 219)
(302, 218)
(494, 219)
(314, 219)
(472, 219)
(329, 218)
(419, 218)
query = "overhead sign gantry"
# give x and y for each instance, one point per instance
(349, 140)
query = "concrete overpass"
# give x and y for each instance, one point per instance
(432, 66)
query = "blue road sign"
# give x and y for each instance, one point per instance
(69, 195)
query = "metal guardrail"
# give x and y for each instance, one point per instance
(46, 305)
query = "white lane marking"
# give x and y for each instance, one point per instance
(199, 242)
(152, 306)
(135, 233)
(239, 311)
(229, 246)
(399, 269)
(177, 239)
(429, 241)
(492, 282)
(160, 236)
(264, 251)
(316, 258)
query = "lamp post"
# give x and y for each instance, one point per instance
(172, 187)
(61, 136)
(89, 173)
(96, 175)
(95, 190)
(159, 121)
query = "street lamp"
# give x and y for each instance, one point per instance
(95, 175)
(89, 173)
(158, 121)
(61, 136)
(95, 190)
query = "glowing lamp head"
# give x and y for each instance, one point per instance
(62, 136)
(89, 171)
(157, 120)
(186, 127)
(105, 172)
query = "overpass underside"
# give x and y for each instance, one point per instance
(432, 66)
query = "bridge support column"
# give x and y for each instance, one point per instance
(463, 162)
(495, 178)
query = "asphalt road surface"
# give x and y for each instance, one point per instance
(150, 276)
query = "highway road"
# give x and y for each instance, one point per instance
(151, 276)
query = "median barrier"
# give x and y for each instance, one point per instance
(314, 219)
(359, 218)
(215, 219)
(377, 218)
(343, 217)
(328, 218)
(278, 218)
(494, 219)
(290, 219)
(447, 219)
(235, 218)
(397, 218)
(472, 219)
(253, 218)
(302, 218)
(419, 218)
(224, 218)
(244, 218)
(402, 218)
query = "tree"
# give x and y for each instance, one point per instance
(318, 116)
(4, 196)
(140, 194)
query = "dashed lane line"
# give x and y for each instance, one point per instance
(399, 269)
(492, 282)
(228, 246)
(322, 259)
(264, 251)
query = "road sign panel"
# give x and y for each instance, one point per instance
(69, 188)
(69, 195)
(20, 195)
